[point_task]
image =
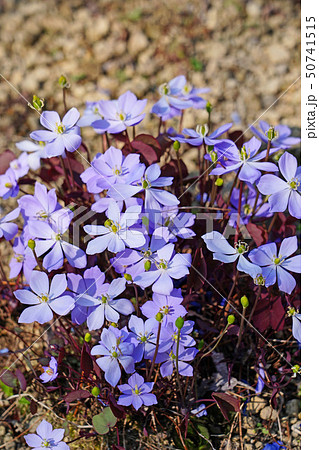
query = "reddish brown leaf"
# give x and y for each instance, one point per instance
(5, 158)
(22, 381)
(258, 233)
(226, 403)
(269, 313)
(77, 395)
(86, 361)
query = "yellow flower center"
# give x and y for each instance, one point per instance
(60, 128)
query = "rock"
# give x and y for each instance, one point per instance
(256, 404)
(137, 43)
(293, 407)
(99, 28)
(268, 413)
(277, 54)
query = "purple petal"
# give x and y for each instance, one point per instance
(71, 117)
(286, 281)
(39, 282)
(288, 165)
(288, 246)
(39, 313)
(58, 285)
(62, 305)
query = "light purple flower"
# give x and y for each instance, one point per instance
(248, 201)
(20, 166)
(41, 205)
(200, 411)
(261, 380)
(177, 224)
(8, 184)
(167, 266)
(199, 136)
(169, 335)
(60, 135)
(283, 193)
(49, 240)
(224, 252)
(134, 262)
(114, 352)
(190, 93)
(46, 437)
(171, 102)
(144, 336)
(248, 162)
(275, 266)
(7, 229)
(168, 305)
(45, 298)
(119, 114)
(90, 284)
(90, 115)
(168, 360)
(106, 305)
(50, 372)
(35, 152)
(156, 198)
(136, 392)
(282, 139)
(23, 258)
(115, 234)
(296, 327)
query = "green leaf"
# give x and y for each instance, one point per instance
(203, 430)
(8, 391)
(24, 401)
(104, 421)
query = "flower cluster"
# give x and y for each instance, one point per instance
(129, 270)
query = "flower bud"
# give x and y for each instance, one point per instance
(128, 277)
(219, 182)
(179, 323)
(133, 300)
(87, 337)
(37, 103)
(209, 107)
(147, 265)
(296, 369)
(200, 344)
(231, 319)
(113, 324)
(159, 317)
(244, 301)
(259, 280)
(271, 134)
(95, 391)
(176, 145)
(63, 82)
(31, 244)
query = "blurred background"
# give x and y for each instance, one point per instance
(246, 51)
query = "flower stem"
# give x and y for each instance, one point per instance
(239, 210)
(177, 372)
(255, 304)
(65, 173)
(128, 140)
(156, 350)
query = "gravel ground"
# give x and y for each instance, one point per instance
(247, 52)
